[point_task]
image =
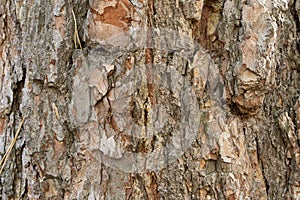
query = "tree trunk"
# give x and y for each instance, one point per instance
(132, 99)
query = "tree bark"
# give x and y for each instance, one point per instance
(170, 99)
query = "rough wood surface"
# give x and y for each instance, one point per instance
(169, 99)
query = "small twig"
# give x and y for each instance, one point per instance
(6, 155)
(55, 110)
(76, 36)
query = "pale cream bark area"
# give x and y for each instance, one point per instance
(168, 99)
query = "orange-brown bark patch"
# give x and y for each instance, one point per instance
(2, 125)
(60, 25)
(118, 15)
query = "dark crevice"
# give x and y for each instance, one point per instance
(146, 114)
(35, 168)
(98, 103)
(17, 93)
(257, 148)
(25, 192)
(266, 181)
(262, 166)
(297, 23)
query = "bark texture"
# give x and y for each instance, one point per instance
(170, 99)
